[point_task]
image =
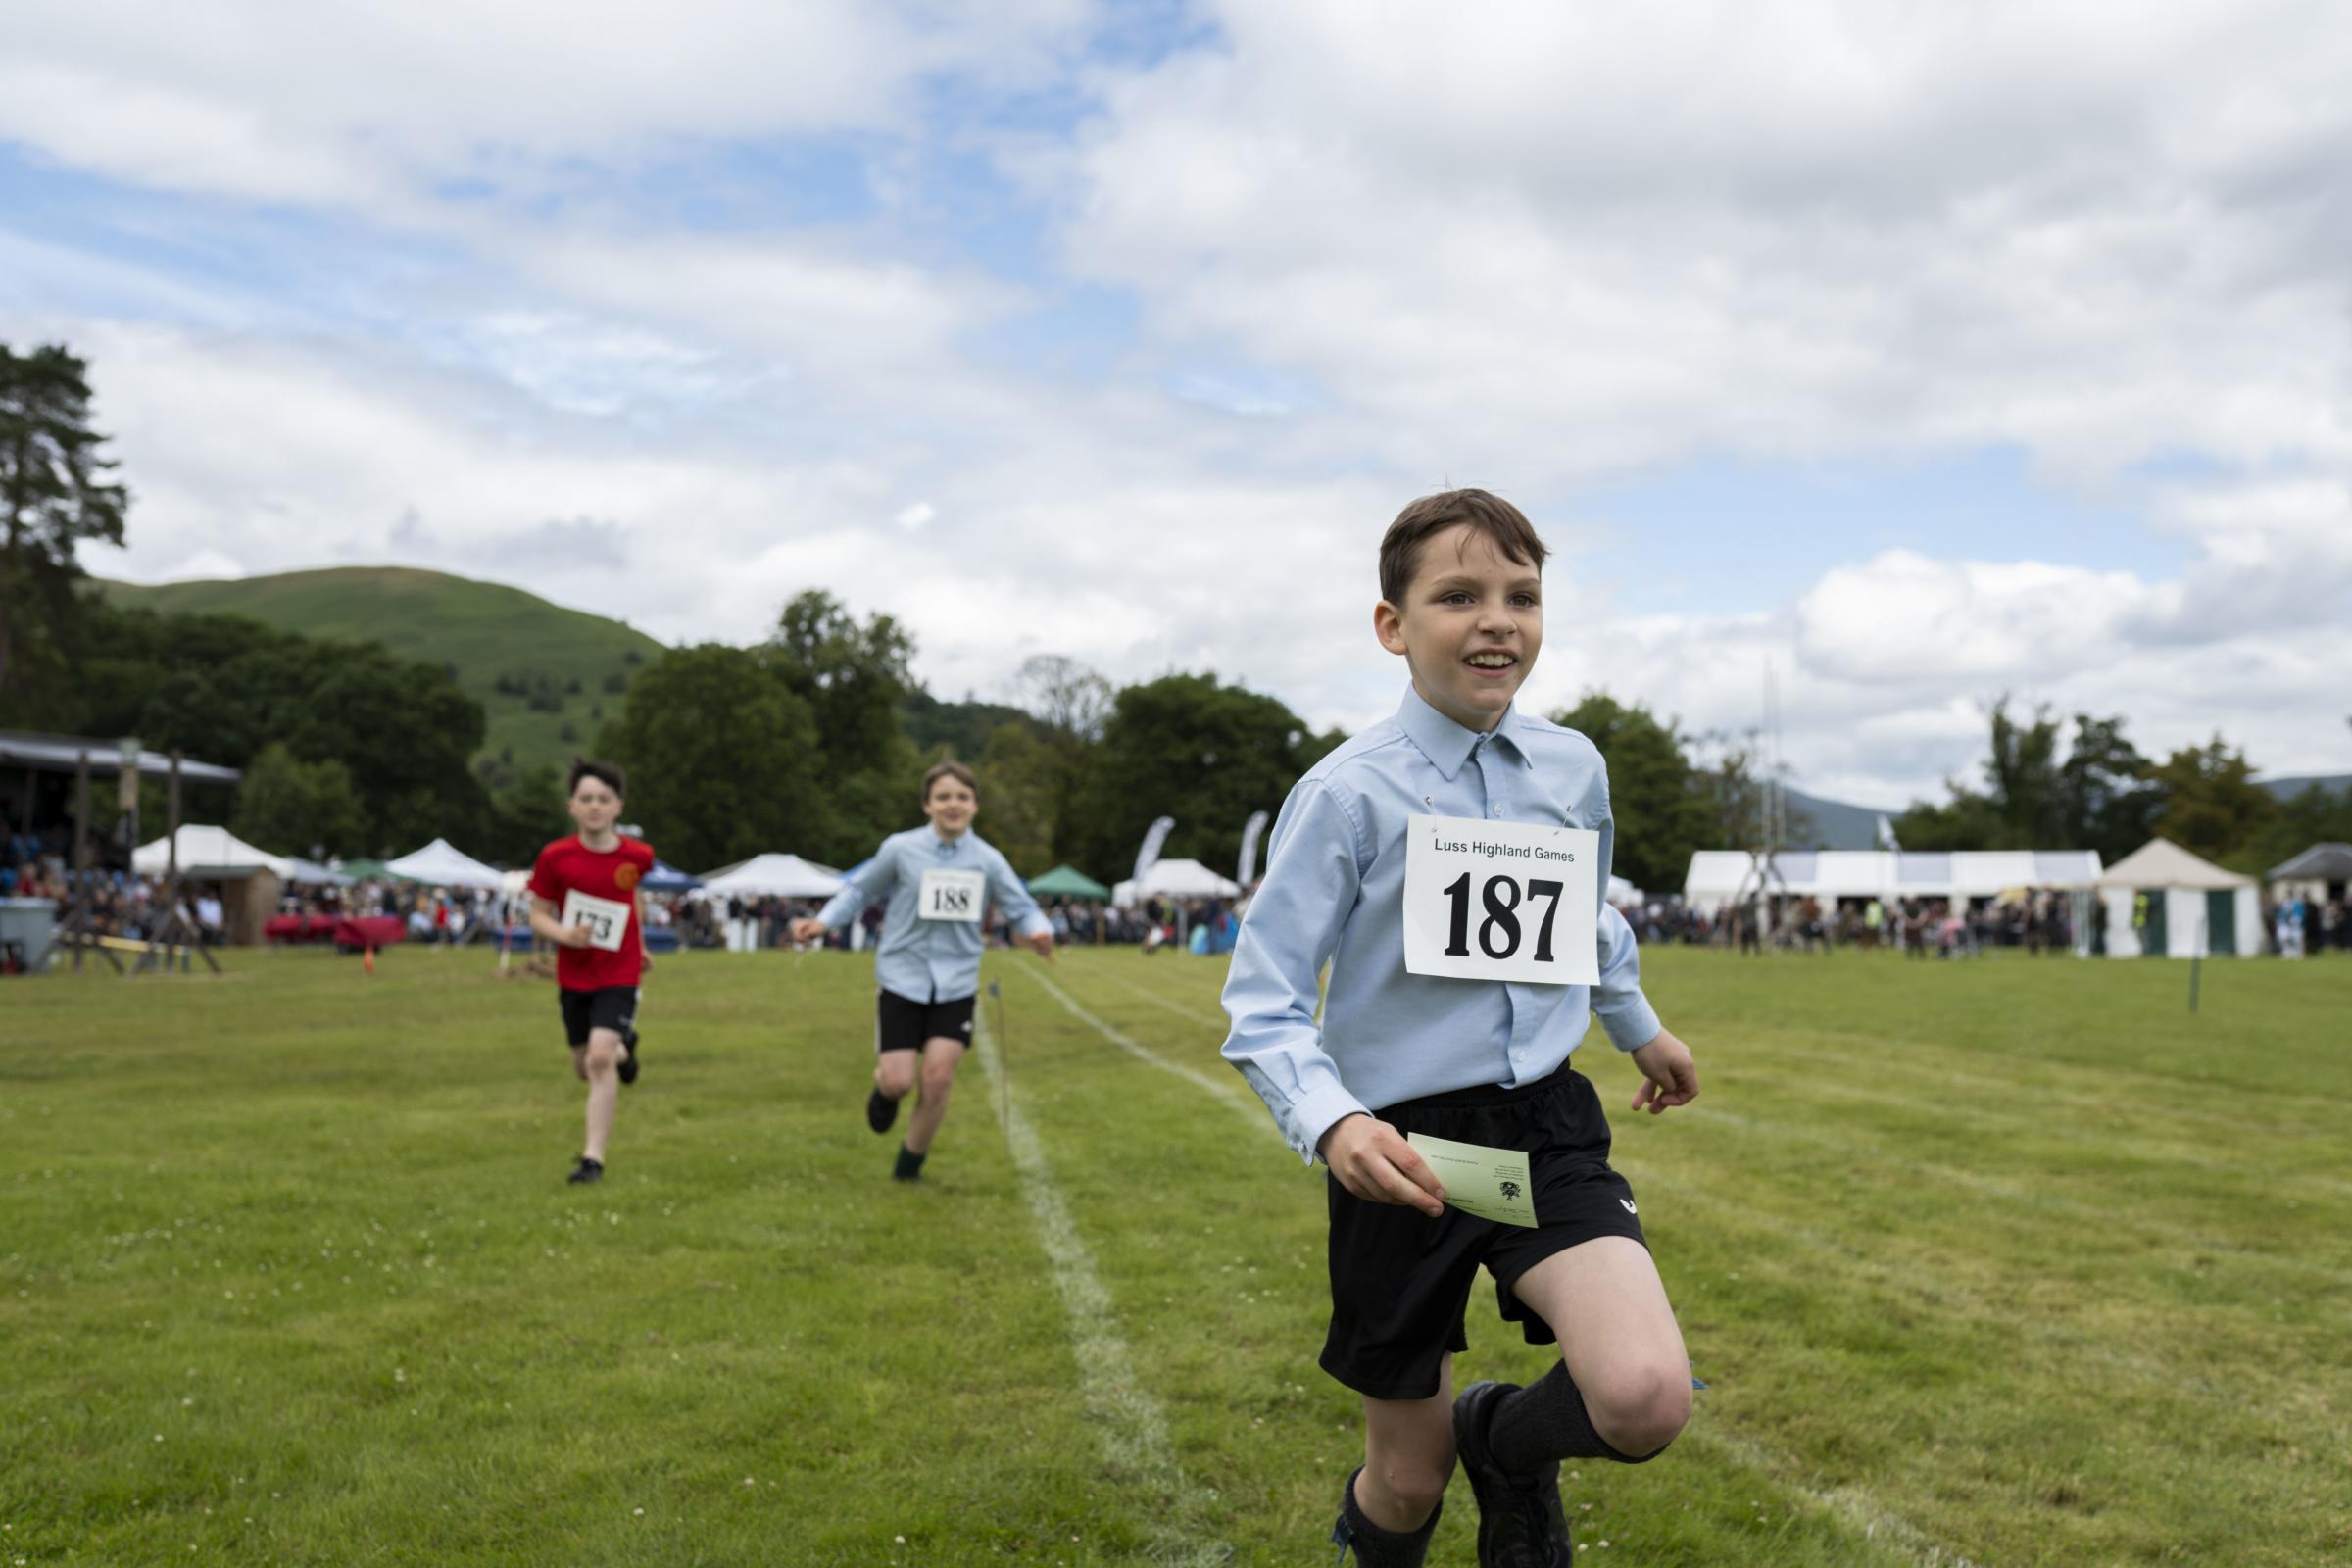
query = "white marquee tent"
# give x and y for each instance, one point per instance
(209, 855)
(1175, 879)
(444, 866)
(2194, 909)
(1716, 876)
(776, 876)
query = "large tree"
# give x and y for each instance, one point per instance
(852, 678)
(54, 497)
(2212, 805)
(1660, 810)
(225, 688)
(1205, 753)
(721, 755)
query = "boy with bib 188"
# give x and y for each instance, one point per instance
(1450, 863)
(939, 880)
(585, 900)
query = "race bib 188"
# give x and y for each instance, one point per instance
(606, 919)
(952, 894)
(1500, 901)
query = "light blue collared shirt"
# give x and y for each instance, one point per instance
(930, 961)
(1335, 893)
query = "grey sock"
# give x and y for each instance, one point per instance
(1374, 1547)
(1545, 1422)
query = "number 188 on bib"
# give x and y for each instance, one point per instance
(1500, 901)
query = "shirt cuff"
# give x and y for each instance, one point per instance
(1629, 1022)
(1311, 1118)
(1037, 925)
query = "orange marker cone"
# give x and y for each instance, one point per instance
(369, 963)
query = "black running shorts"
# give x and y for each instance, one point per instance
(612, 1007)
(902, 1023)
(1400, 1279)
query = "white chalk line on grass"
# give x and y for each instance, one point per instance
(1127, 1421)
(1851, 1505)
(1215, 1020)
(1238, 1100)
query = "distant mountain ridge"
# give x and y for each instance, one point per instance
(546, 677)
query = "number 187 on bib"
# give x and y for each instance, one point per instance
(1500, 901)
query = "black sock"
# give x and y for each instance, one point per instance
(1376, 1548)
(911, 1163)
(1545, 1422)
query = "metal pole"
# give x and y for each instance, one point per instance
(81, 853)
(2196, 962)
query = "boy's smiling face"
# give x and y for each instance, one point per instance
(951, 806)
(1470, 626)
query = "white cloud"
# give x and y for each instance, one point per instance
(1527, 246)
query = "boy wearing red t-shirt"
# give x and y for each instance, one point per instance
(585, 900)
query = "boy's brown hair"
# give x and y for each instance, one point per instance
(1501, 521)
(951, 768)
(607, 773)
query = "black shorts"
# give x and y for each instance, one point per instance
(1399, 1280)
(902, 1023)
(612, 1007)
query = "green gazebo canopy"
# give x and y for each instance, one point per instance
(1064, 882)
(367, 871)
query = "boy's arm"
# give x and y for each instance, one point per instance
(1312, 880)
(1668, 1077)
(1014, 897)
(877, 878)
(548, 922)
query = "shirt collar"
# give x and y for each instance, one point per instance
(1445, 742)
(943, 843)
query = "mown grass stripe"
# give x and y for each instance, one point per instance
(1127, 1420)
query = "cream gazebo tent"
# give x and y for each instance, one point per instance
(2194, 909)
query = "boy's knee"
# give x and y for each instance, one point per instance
(1641, 1411)
(1416, 1485)
(938, 1077)
(896, 1074)
(604, 1054)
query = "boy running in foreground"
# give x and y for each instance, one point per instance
(1450, 863)
(939, 880)
(584, 898)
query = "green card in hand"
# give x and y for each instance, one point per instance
(1490, 1183)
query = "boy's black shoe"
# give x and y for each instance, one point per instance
(909, 1167)
(587, 1170)
(1520, 1524)
(880, 1111)
(628, 1063)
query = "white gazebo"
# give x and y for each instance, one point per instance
(2194, 909)
(209, 855)
(1175, 879)
(444, 864)
(772, 876)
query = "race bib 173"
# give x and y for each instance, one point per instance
(1500, 901)
(952, 894)
(606, 919)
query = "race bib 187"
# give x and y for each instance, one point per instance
(1500, 901)
(606, 919)
(952, 894)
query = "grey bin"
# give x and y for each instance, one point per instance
(24, 928)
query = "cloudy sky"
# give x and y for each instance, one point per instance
(1912, 354)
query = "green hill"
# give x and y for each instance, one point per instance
(546, 677)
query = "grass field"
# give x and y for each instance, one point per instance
(2009, 1262)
